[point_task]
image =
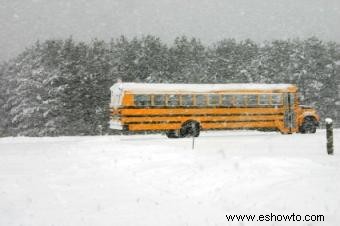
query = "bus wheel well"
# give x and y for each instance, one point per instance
(190, 128)
(309, 117)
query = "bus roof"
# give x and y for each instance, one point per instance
(199, 88)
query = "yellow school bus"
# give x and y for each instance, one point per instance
(183, 110)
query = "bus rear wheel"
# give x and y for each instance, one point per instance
(308, 125)
(190, 129)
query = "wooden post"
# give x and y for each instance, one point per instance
(329, 134)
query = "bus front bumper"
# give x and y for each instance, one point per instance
(116, 124)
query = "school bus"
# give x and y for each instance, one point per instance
(183, 110)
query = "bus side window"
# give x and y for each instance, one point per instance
(187, 100)
(142, 100)
(214, 99)
(201, 100)
(159, 100)
(239, 100)
(264, 99)
(173, 100)
(252, 100)
(227, 100)
(276, 99)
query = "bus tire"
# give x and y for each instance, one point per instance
(308, 125)
(190, 129)
(172, 134)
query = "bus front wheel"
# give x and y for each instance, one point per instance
(190, 129)
(308, 125)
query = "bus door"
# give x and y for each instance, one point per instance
(289, 114)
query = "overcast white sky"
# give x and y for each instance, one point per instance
(22, 22)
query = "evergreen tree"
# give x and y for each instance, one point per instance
(188, 61)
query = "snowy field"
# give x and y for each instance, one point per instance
(151, 180)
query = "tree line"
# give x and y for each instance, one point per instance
(61, 87)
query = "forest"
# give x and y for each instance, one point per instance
(61, 87)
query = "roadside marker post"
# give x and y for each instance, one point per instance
(329, 135)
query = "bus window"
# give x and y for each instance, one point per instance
(159, 100)
(264, 99)
(187, 100)
(201, 100)
(227, 100)
(142, 100)
(173, 100)
(252, 100)
(276, 99)
(214, 99)
(239, 100)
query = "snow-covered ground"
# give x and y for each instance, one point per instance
(151, 180)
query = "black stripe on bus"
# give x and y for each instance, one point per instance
(154, 122)
(175, 122)
(238, 121)
(201, 115)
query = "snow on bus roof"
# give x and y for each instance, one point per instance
(176, 87)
